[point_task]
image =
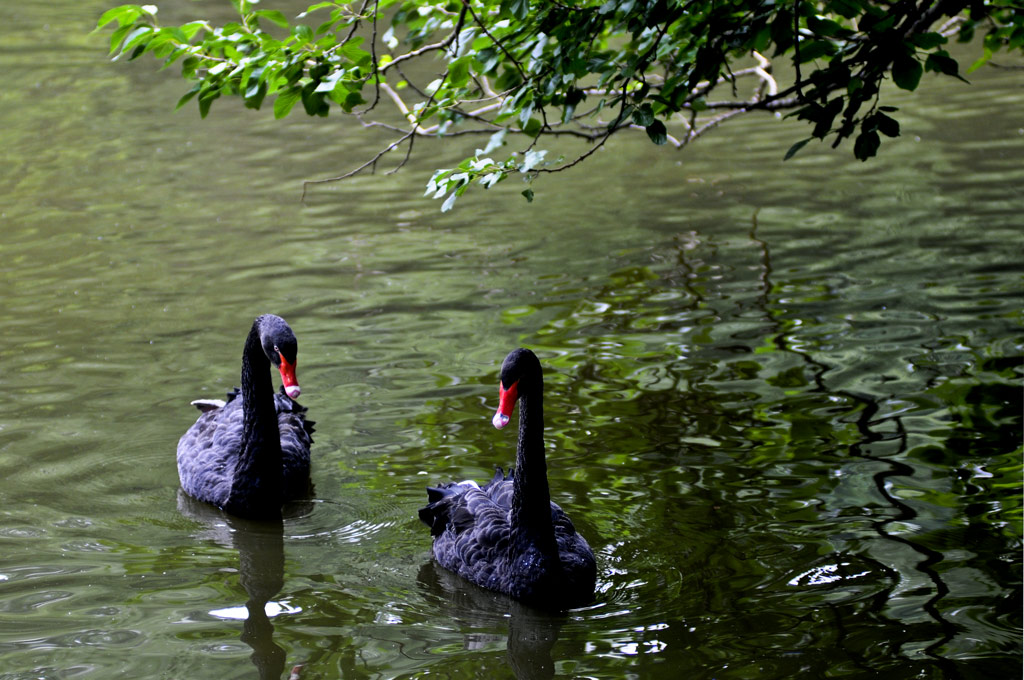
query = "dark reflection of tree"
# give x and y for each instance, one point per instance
(260, 548)
(756, 367)
(531, 633)
(868, 426)
(708, 413)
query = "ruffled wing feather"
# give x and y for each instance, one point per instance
(208, 451)
(471, 530)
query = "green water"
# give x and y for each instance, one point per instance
(784, 401)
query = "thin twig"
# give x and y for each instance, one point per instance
(715, 122)
(373, 56)
(372, 161)
(690, 127)
(408, 154)
(766, 104)
(613, 127)
(796, 48)
(355, 24)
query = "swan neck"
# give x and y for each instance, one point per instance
(531, 499)
(258, 470)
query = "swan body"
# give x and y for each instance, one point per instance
(250, 454)
(507, 535)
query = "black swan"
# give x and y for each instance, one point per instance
(250, 455)
(507, 535)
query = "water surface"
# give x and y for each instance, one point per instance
(784, 400)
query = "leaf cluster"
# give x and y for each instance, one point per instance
(580, 68)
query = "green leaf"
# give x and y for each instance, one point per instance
(255, 95)
(123, 15)
(497, 140)
(982, 60)
(763, 38)
(137, 35)
(796, 147)
(187, 96)
(532, 160)
(356, 54)
(848, 9)
(330, 82)
(458, 71)
(206, 101)
(782, 31)
(517, 8)
(313, 101)
(941, 62)
(814, 49)
(326, 26)
(352, 100)
(528, 193)
(825, 27)
(906, 73)
(866, 145)
(890, 127)
(643, 116)
(532, 127)
(319, 5)
(118, 36)
(189, 67)
(928, 41)
(449, 202)
(883, 24)
(191, 28)
(273, 16)
(285, 101)
(657, 132)
(303, 34)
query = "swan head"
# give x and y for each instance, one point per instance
(519, 372)
(281, 347)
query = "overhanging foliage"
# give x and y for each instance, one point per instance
(588, 69)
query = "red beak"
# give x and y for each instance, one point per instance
(291, 384)
(506, 404)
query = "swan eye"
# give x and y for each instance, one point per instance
(276, 349)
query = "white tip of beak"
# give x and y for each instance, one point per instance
(293, 391)
(500, 420)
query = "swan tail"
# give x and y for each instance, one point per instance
(207, 405)
(446, 506)
(435, 513)
(499, 476)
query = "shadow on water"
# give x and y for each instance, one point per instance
(532, 634)
(867, 410)
(260, 546)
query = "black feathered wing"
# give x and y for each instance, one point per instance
(208, 451)
(473, 537)
(296, 440)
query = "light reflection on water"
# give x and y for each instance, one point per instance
(241, 612)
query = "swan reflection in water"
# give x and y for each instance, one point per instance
(532, 633)
(260, 546)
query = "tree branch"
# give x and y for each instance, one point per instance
(433, 47)
(373, 56)
(613, 127)
(501, 46)
(351, 173)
